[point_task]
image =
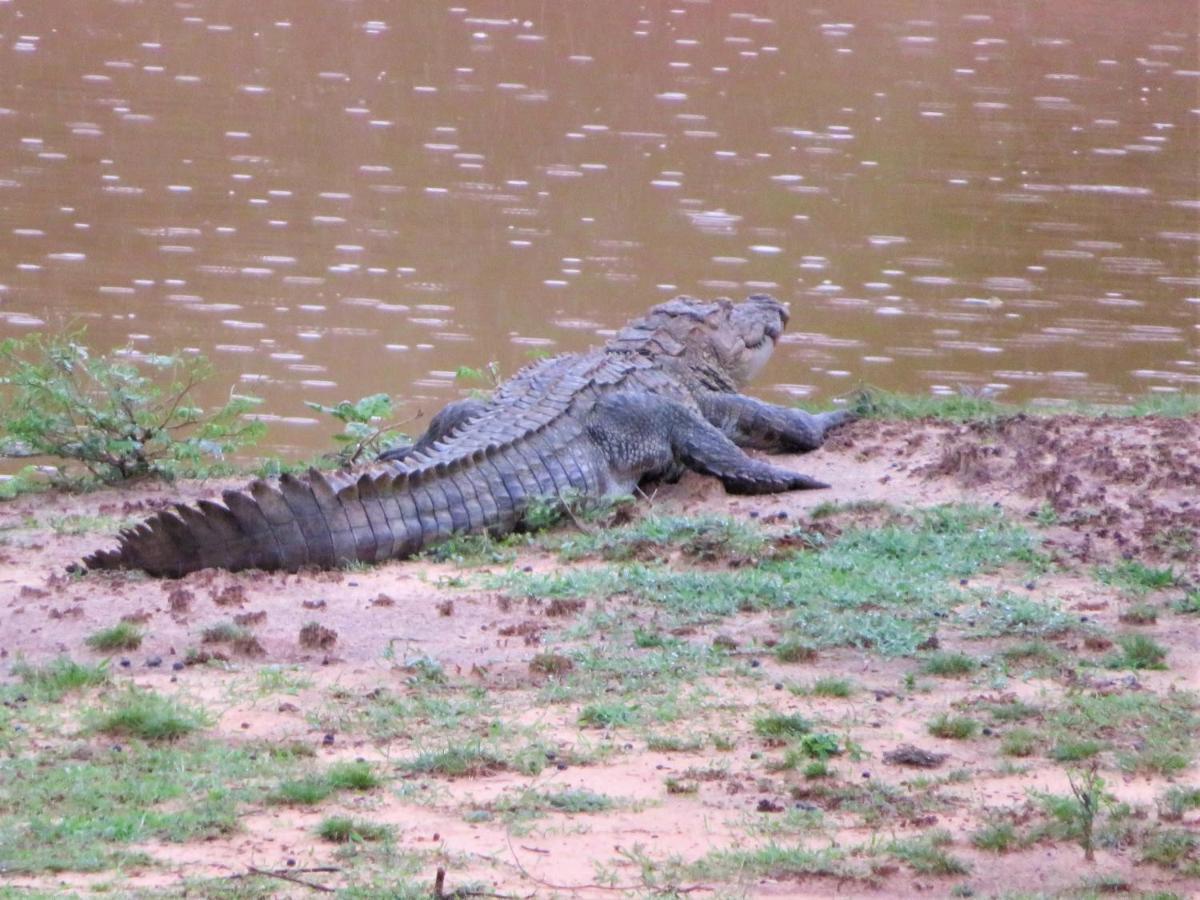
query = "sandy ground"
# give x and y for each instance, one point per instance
(1103, 490)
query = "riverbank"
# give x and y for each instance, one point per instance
(705, 697)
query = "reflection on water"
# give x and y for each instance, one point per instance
(332, 199)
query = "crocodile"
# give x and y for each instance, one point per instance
(660, 397)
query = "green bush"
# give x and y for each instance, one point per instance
(118, 418)
(367, 429)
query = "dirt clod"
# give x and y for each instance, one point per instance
(908, 755)
(317, 637)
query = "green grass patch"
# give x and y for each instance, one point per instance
(1175, 405)
(1172, 848)
(1020, 742)
(839, 688)
(1015, 615)
(65, 811)
(1093, 714)
(818, 768)
(1031, 653)
(664, 743)
(352, 776)
(476, 550)
(998, 837)
(1138, 652)
(1177, 800)
(122, 636)
(1187, 605)
(1016, 711)
(607, 715)
(885, 588)
(927, 854)
(345, 830)
(774, 861)
(564, 801)
(54, 680)
(780, 726)
(144, 714)
(1070, 749)
(959, 728)
(465, 761)
(307, 791)
(702, 538)
(877, 404)
(1137, 578)
(1146, 732)
(794, 651)
(949, 665)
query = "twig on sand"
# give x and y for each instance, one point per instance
(590, 887)
(286, 875)
(439, 890)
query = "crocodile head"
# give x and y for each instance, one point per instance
(733, 340)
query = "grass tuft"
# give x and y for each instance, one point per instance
(927, 856)
(122, 636)
(458, 762)
(307, 791)
(55, 679)
(1139, 652)
(344, 830)
(1137, 578)
(793, 651)
(957, 728)
(1177, 800)
(999, 837)
(782, 726)
(949, 665)
(352, 776)
(1075, 749)
(1020, 742)
(606, 715)
(149, 716)
(840, 688)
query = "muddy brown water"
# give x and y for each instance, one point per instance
(332, 199)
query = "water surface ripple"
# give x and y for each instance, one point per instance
(332, 199)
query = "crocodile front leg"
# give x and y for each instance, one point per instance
(764, 426)
(452, 417)
(647, 435)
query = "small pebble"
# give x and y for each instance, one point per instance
(866, 774)
(754, 664)
(177, 666)
(328, 739)
(562, 767)
(125, 664)
(779, 685)
(154, 662)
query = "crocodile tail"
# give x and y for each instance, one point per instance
(319, 520)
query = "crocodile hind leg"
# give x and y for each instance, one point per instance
(452, 417)
(644, 434)
(765, 426)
